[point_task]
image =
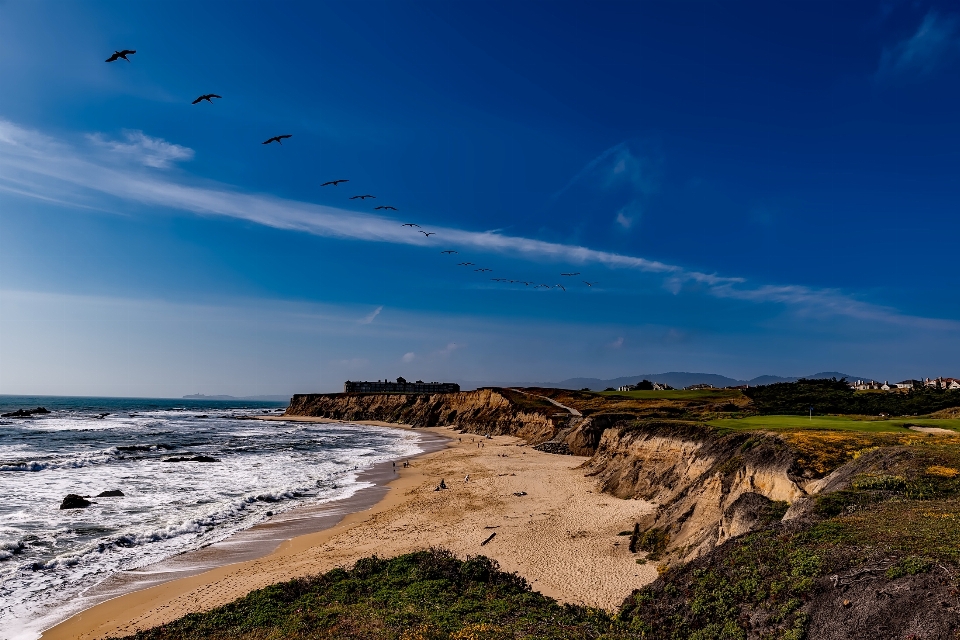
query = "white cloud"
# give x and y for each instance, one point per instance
(616, 344)
(409, 356)
(624, 220)
(367, 319)
(936, 40)
(38, 166)
(450, 348)
(152, 152)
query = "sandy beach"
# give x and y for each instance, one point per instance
(559, 533)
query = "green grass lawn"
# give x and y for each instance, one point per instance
(677, 394)
(832, 423)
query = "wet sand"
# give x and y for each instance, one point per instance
(561, 535)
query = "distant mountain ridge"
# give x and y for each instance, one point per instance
(677, 379)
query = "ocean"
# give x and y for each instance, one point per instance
(49, 558)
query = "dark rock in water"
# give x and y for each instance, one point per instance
(73, 501)
(203, 416)
(101, 416)
(25, 413)
(193, 459)
(113, 493)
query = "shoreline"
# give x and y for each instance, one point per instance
(553, 527)
(253, 543)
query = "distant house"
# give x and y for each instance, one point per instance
(645, 385)
(942, 383)
(400, 386)
(909, 384)
(698, 386)
(739, 386)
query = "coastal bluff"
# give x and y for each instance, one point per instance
(484, 411)
(709, 487)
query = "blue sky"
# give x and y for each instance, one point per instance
(753, 188)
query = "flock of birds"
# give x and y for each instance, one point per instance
(209, 97)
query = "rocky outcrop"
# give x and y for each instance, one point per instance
(484, 411)
(73, 501)
(192, 459)
(709, 487)
(112, 493)
(25, 413)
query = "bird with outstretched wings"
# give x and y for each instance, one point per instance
(208, 97)
(589, 284)
(483, 269)
(448, 251)
(410, 224)
(428, 233)
(361, 197)
(465, 264)
(278, 139)
(384, 207)
(560, 286)
(121, 54)
(333, 182)
(571, 274)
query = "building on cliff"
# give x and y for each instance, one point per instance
(400, 386)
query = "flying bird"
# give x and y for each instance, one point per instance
(207, 96)
(589, 284)
(384, 207)
(499, 279)
(571, 274)
(481, 270)
(333, 182)
(278, 139)
(410, 224)
(428, 234)
(561, 286)
(361, 197)
(527, 284)
(121, 54)
(465, 264)
(448, 251)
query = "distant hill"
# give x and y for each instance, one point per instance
(678, 379)
(267, 398)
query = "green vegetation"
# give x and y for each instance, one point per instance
(676, 394)
(835, 397)
(831, 423)
(429, 595)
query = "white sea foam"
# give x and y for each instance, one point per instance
(48, 555)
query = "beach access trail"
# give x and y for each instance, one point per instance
(552, 526)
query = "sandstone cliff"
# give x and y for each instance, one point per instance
(493, 411)
(709, 487)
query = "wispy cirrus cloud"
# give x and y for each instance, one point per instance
(141, 148)
(367, 319)
(935, 42)
(35, 165)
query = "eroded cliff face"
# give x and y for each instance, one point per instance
(709, 487)
(482, 411)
